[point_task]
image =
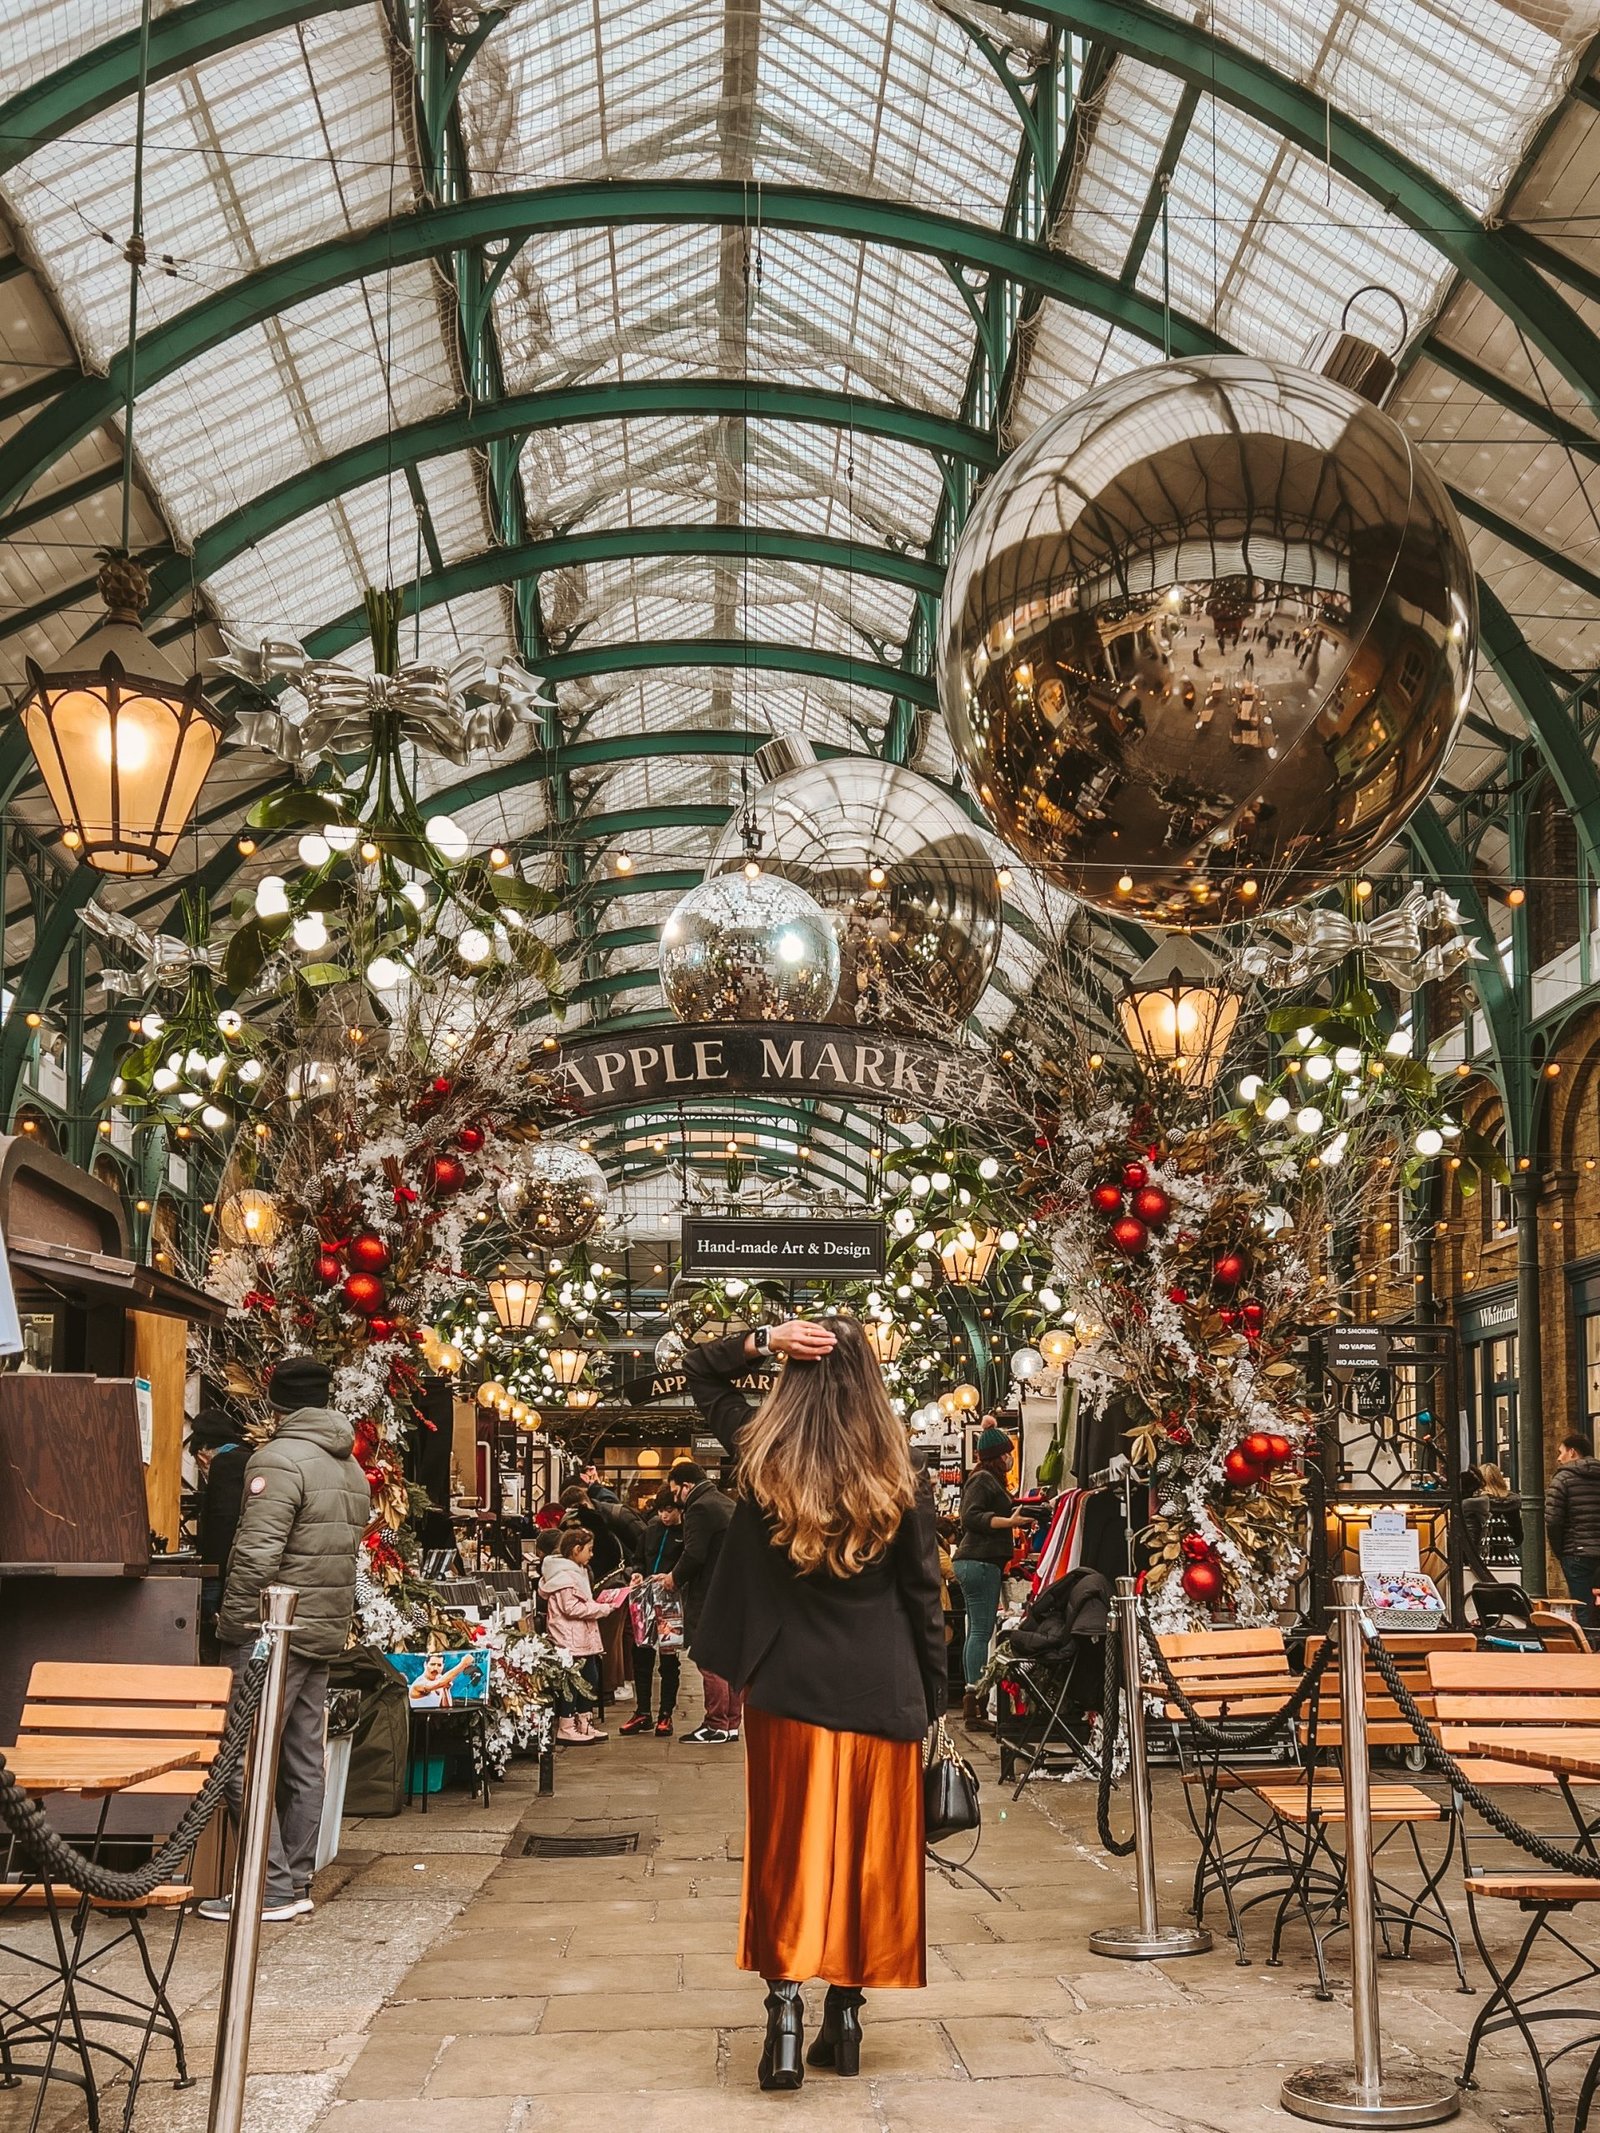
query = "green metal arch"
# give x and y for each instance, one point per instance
(771, 544)
(476, 424)
(79, 404)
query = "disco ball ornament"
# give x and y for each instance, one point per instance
(1206, 640)
(669, 1352)
(894, 861)
(555, 1197)
(737, 950)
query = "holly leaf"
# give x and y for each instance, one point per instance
(515, 894)
(247, 952)
(297, 806)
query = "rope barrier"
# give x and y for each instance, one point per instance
(1110, 1726)
(1439, 1759)
(1235, 1737)
(53, 1858)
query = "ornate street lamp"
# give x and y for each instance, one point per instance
(249, 1217)
(515, 1293)
(968, 1255)
(1178, 1012)
(884, 1338)
(583, 1397)
(567, 1363)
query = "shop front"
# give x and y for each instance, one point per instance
(1488, 1330)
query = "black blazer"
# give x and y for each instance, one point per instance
(863, 1654)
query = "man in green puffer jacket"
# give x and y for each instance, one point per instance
(306, 1507)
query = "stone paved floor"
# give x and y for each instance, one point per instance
(449, 1984)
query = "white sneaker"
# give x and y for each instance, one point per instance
(707, 1736)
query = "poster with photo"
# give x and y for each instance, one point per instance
(442, 1681)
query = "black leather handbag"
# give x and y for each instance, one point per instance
(949, 1788)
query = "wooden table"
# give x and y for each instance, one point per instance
(1565, 1751)
(93, 1769)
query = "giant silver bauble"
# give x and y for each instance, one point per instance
(1210, 633)
(736, 950)
(921, 942)
(555, 1196)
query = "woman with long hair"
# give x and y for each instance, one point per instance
(825, 1609)
(990, 1523)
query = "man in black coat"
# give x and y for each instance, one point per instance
(706, 1515)
(220, 1456)
(1572, 1521)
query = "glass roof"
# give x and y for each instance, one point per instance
(315, 134)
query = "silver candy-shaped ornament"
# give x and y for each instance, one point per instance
(737, 950)
(897, 866)
(555, 1197)
(1206, 640)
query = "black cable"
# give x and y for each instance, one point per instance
(1585, 1865)
(1235, 1737)
(53, 1858)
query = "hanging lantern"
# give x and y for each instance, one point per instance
(884, 1338)
(249, 1217)
(490, 1394)
(531, 1420)
(583, 1397)
(123, 741)
(964, 1398)
(515, 1293)
(1058, 1347)
(448, 1359)
(567, 1364)
(968, 1256)
(1178, 1013)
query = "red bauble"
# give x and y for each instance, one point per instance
(1151, 1205)
(1195, 1550)
(1257, 1448)
(1228, 1314)
(1252, 1314)
(1133, 1176)
(374, 1476)
(328, 1268)
(368, 1253)
(1176, 1295)
(1282, 1450)
(1129, 1234)
(443, 1086)
(445, 1174)
(1229, 1269)
(1240, 1469)
(364, 1293)
(1108, 1198)
(381, 1329)
(1202, 1582)
(471, 1138)
(1179, 1433)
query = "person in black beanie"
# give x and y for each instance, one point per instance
(990, 1523)
(221, 1455)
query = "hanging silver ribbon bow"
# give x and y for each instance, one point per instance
(163, 960)
(1418, 940)
(465, 709)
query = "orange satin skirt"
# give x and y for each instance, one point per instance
(833, 1871)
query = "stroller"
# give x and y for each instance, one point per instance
(1049, 1670)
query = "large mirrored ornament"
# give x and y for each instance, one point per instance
(737, 950)
(898, 867)
(1206, 640)
(555, 1196)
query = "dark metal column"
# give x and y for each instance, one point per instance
(1525, 1186)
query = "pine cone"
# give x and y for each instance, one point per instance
(124, 585)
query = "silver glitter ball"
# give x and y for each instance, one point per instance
(897, 866)
(1206, 640)
(555, 1197)
(737, 950)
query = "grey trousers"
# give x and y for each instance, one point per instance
(297, 1808)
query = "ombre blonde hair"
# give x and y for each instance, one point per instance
(825, 1458)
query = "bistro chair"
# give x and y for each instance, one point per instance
(1310, 1807)
(1536, 1692)
(159, 1707)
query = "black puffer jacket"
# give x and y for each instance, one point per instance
(706, 1517)
(1077, 1605)
(306, 1507)
(1572, 1509)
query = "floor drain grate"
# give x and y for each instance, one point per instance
(598, 1847)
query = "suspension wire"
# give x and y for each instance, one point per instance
(134, 254)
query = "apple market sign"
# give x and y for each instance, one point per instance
(783, 1059)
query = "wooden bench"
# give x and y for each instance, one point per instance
(1537, 1690)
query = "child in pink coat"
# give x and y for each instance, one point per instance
(573, 1616)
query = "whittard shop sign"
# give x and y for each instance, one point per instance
(771, 1059)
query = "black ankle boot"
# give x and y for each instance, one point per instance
(781, 2066)
(838, 2043)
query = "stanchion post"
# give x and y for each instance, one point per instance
(1361, 2092)
(232, 2057)
(1149, 1941)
